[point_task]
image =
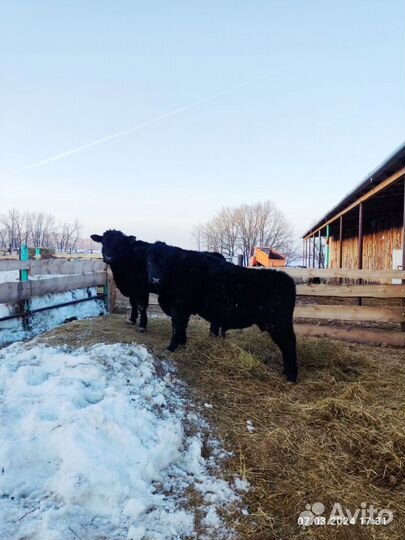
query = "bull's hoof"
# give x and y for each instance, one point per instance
(292, 377)
(142, 329)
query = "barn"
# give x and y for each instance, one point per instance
(365, 230)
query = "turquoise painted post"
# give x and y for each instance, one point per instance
(327, 247)
(37, 253)
(25, 304)
(24, 256)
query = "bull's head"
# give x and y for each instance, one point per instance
(115, 245)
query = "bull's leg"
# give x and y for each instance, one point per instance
(284, 337)
(179, 325)
(134, 310)
(214, 329)
(143, 320)
(143, 306)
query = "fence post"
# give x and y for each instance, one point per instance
(109, 292)
(106, 290)
(24, 304)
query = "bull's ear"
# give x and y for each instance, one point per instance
(132, 239)
(96, 238)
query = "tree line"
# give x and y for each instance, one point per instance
(238, 230)
(37, 229)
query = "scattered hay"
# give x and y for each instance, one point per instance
(335, 437)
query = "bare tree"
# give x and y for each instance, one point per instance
(15, 228)
(3, 238)
(248, 226)
(227, 223)
(36, 229)
(241, 229)
(41, 227)
(67, 235)
(197, 234)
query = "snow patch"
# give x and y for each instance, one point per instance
(93, 445)
(12, 330)
(241, 484)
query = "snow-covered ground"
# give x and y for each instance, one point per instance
(12, 330)
(93, 445)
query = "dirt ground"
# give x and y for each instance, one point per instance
(335, 437)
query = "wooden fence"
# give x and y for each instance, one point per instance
(355, 284)
(60, 275)
(53, 276)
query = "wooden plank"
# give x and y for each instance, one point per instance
(350, 313)
(54, 266)
(14, 291)
(17, 291)
(384, 184)
(344, 273)
(7, 265)
(367, 336)
(352, 291)
(60, 266)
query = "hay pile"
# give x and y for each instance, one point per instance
(336, 436)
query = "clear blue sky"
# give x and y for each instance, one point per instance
(324, 105)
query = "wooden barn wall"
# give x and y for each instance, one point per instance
(380, 238)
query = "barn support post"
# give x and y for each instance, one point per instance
(24, 305)
(403, 257)
(360, 238)
(320, 254)
(327, 247)
(306, 252)
(313, 251)
(309, 252)
(341, 245)
(360, 243)
(340, 242)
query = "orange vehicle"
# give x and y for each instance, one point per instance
(268, 258)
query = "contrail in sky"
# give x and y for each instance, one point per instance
(124, 132)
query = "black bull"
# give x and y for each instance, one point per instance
(226, 295)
